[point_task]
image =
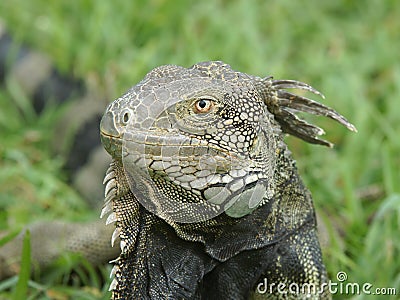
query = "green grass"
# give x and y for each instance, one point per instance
(347, 49)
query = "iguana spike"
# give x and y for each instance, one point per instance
(113, 271)
(122, 245)
(282, 104)
(305, 104)
(106, 208)
(111, 186)
(115, 235)
(111, 218)
(109, 175)
(294, 84)
(113, 285)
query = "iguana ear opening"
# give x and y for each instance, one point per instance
(283, 105)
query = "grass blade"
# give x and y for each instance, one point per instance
(21, 289)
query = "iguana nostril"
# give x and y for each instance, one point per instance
(126, 117)
(107, 125)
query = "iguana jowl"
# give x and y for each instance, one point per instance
(204, 193)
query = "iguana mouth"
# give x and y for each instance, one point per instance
(112, 144)
(161, 142)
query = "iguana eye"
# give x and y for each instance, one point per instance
(203, 106)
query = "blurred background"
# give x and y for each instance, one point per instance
(349, 50)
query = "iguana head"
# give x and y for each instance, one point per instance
(196, 142)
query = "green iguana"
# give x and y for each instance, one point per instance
(91, 240)
(205, 196)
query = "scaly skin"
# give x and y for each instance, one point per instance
(205, 196)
